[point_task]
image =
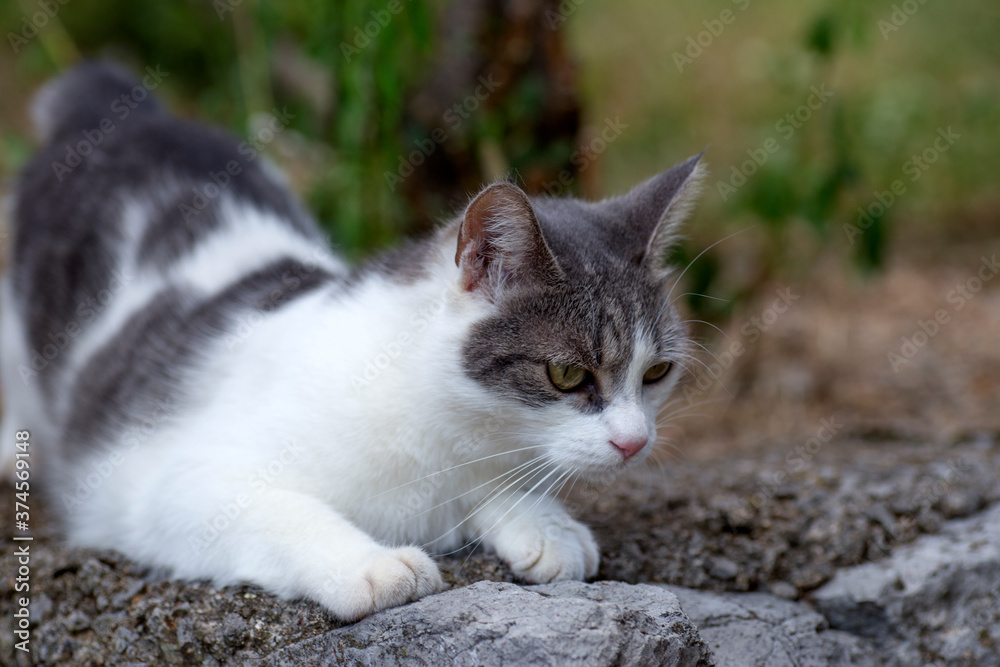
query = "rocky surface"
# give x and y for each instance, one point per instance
(490, 624)
(935, 601)
(716, 524)
(762, 630)
(784, 520)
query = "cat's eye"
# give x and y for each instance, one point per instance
(567, 377)
(657, 372)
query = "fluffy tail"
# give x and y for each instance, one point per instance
(83, 97)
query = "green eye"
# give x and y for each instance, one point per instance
(657, 372)
(567, 377)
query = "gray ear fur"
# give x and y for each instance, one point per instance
(500, 241)
(653, 211)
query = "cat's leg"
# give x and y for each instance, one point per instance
(539, 539)
(21, 404)
(298, 546)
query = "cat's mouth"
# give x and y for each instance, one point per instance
(612, 462)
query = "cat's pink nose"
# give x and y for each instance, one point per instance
(629, 446)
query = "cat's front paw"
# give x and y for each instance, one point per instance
(387, 578)
(556, 549)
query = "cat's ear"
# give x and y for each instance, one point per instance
(654, 211)
(500, 242)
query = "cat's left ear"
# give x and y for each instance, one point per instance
(500, 242)
(654, 211)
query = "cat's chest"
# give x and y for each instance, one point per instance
(438, 506)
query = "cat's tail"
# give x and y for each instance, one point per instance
(93, 96)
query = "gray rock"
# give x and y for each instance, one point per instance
(661, 527)
(757, 629)
(934, 601)
(488, 623)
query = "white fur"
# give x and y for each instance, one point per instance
(338, 430)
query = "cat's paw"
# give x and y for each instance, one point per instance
(559, 548)
(387, 578)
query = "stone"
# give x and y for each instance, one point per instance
(761, 630)
(935, 600)
(489, 623)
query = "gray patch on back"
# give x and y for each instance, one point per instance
(153, 356)
(68, 217)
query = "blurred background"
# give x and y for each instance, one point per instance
(853, 149)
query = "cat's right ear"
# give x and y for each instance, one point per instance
(653, 211)
(500, 242)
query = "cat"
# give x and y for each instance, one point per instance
(213, 392)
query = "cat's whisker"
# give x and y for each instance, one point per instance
(540, 497)
(510, 472)
(574, 479)
(667, 421)
(687, 369)
(449, 469)
(519, 500)
(708, 352)
(540, 464)
(682, 435)
(672, 450)
(499, 478)
(710, 372)
(473, 544)
(698, 256)
(654, 456)
(714, 326)
(699, 404)
(704, 365)
(704, 296)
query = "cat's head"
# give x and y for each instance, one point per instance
(581, 337)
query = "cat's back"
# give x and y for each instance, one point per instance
(108, 145)
(139, 240)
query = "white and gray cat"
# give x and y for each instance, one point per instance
(222, 397)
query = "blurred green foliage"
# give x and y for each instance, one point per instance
(897, 79)
(893, 89)
(220, 57)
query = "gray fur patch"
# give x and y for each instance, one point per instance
(147, 363)
(68, 201)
